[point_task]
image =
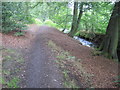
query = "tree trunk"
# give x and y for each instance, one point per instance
(66, 20)
(79, 17)
(110, 43)
(74, 22)
(77, 21)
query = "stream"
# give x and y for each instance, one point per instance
(84, 42)
(81, 40)
(90, 44)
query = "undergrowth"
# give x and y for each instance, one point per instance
(11, 68)
(70, 67)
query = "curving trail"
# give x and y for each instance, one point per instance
(41, 70)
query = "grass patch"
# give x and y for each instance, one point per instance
(68, 83)
(60, 56)
(6, 72)
(7, 58)
(11, 68)
(13, 83)
(19, 33)
(96, 53)
(71, 67)
(50, 23)
(11, 51)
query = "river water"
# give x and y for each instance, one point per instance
(90, 44)
(84, 42)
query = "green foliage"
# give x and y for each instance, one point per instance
(50, 23)
(13, 83)
(62, 57)
(10, 71)
(85, 34)
(96, 53)
(19, 33)
(96, 19)
(2, 81)
(13, 16)
(31, 20)
(37, 21)
(56, 14)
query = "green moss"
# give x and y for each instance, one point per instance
(13, 83)
(10, 51)
(61, 57)
(11, 58)
(19, 34)
(96, 53)
(6, 72)
(69, 83)
(71, 57)
(20, 60)
(8, 57)
(2, 81)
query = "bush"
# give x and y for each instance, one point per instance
(19, 33)
(50, 23)
(13, 16)
(37, 21)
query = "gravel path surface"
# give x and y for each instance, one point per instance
(41, 70)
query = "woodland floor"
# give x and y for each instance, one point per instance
(43, 47)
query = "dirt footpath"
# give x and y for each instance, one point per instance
(41, 70)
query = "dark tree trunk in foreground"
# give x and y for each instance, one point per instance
(76, 20)
(110, 43)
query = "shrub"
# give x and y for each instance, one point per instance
(50, 23)
(19, 33)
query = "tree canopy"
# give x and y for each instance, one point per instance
(74, 17)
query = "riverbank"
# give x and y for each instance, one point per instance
(93, 40)
(77, 60)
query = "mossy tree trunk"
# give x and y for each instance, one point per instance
(79, 16)
(76, 19)
(74, 22)
(110, 43)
